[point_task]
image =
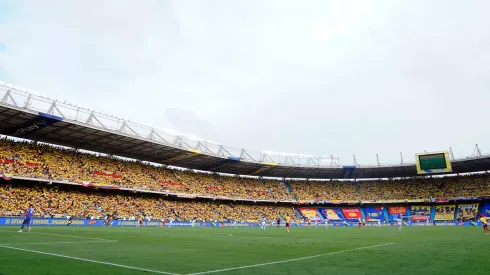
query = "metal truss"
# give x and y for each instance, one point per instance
(24, 100)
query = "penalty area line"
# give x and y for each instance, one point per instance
(88, 260)
(290, 260)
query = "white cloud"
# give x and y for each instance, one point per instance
(327, 77)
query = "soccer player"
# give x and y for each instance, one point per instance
(288, 220)
(27, 220)
(70, 220)
(363, 221)
(262, 227)
(359, 223)
(399, 222)
(170, 222)
(379, 223)
(234, 224)
(484, 222)
(140, 222)
(108, 221)
(278, 222)
(326, 223)
(309, 222)
(316, 224)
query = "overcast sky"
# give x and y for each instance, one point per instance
(319, 77)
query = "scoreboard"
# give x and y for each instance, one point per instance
(433, 163)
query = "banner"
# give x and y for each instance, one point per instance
(6, 176)
(467, 211)
(91, 185)
(395, 212)
(486, 210)
(310, 213)
(331, 214)
(398, 210)
(172, 183)
(352, 213)
(420, 213)
(105, 174)
(374, 214)
(445, 212)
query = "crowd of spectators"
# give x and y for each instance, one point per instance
(36, 160)
(62, 201)
(397, 189)
(325, 190)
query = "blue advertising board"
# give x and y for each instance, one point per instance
(43, 120)
(485, 210)
(374, 214)
(75, 222)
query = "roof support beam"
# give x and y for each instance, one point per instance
(244, 153)
(476, 151)
(153, 134)
(92, 118)
(53, 107)
(125, 128)
(7, 96)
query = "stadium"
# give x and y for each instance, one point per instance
(347, 133)
(104, 189)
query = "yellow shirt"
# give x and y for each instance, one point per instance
(483, 220)
(288, 219)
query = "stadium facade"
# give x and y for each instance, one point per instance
(29, 116)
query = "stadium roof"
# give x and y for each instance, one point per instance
(29, 116)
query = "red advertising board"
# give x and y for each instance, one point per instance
(397, 210)
(420, 218)
(352, 213)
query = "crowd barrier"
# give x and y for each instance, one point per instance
(5, 221)
(79, 222)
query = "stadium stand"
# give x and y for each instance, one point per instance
(325, 190)
(40, 161)
(60, 201)
(47, 162)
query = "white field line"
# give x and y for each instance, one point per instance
(88, 260)
(290, 260)
(71, 236)
(61, 235)
(108, 241)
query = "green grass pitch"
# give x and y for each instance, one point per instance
(124, 250)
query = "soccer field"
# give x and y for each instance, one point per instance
(124, 250)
